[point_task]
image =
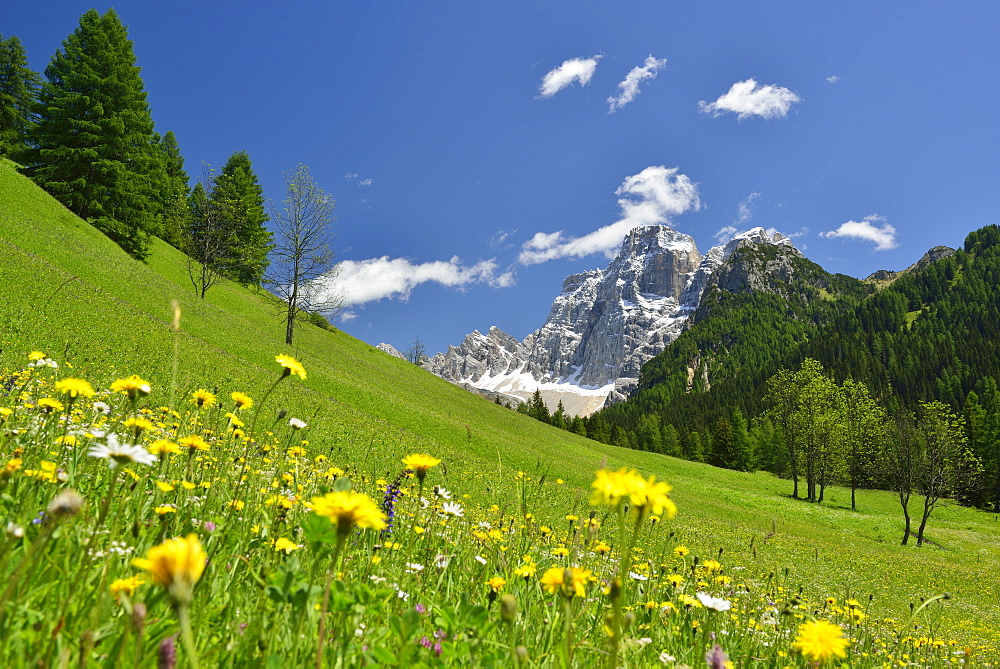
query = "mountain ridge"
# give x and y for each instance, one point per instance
(603, 326)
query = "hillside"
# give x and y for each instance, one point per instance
(67, 290)
(924, 336)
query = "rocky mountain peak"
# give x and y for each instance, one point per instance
(604, 324)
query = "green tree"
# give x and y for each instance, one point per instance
(864, 434)
(303, 262)
(238, 200)
(92, 147)
(648, 435)
(944, 458)
(722, 444)
(18, 92)
(559, 416)
(743, 457)
(805, 406)
(206, 242)
(537, 408)
(174, 212)
(901, 462)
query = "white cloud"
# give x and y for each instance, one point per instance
(647, 198)
(498, 241)
(361, 281)
(725, 234)
(575, 69)
(347, 316)
(747, 98)
(884, 237)
(356, 178)
(833, 79)
(630, 86)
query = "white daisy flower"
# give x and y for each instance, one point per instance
(117, 453)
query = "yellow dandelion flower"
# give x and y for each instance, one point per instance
(133, 386)
(49, 405)
(187, 485)
(67, 440)
(137, 425)
(126, 585)
(164, 509)
(11, 467)
(711, 566)
(242, 400)
(526, 571)
(497, 583)
(821, 640)
(644, 495)
(163, 446)
(560, 551)
(75, 388)
(176, 564)
(193, 443)
(420, 463)
(283, 544)
(237, 504)
(36, 355)
(569, 581)
(291, 366)
(345, 509)
(681, 551)
(202, 399)
(688, 600)
(164, 487)
(602, 548)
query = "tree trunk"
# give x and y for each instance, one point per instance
(854, 504)
(928, 508)
(290, 320)
(904, 501)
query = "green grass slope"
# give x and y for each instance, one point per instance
(67, 290)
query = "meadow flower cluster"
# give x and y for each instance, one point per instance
(137, 531)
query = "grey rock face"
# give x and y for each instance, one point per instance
(390, 350)
(934, 254)
(602, 327)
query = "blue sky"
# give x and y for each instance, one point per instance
(458, 138)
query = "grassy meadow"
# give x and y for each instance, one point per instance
(502, 555)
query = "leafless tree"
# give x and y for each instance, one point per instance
(302, 268)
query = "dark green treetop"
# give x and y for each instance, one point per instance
(92, 147)
(238, 199)
(18, 91)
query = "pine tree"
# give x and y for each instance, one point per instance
(92, 147)
(239, 200)
(173, 186)
(18, 92)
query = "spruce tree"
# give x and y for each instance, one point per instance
(239, 200)
(18, 92)
(174, 207)
(92, 147)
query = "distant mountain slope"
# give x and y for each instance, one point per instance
(928, 335)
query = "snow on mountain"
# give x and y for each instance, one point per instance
(602, 327)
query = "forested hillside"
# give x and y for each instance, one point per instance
(927, 336)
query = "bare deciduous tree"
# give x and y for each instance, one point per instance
(302, 269)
